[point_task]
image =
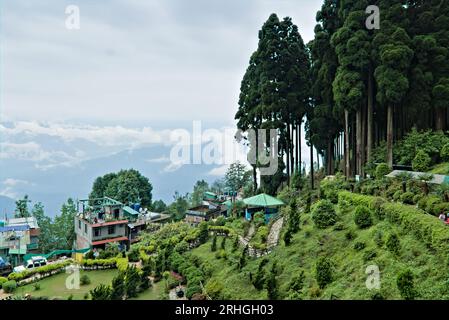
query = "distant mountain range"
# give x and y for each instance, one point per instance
(54, 185)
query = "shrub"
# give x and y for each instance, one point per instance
(440, 208)
(426, 228)
(133, 254)
(359, 246)
(362, 217)
(377, 207)
(9, 286)
(393, 244)
(421, 162)
(444, 154)
(417, 198)
(407, 198)
(382, 170)
(214, 289)
(191, 290)
(349, 235)
(369, 255)
(323, 272)
(259, 218)
(379, 238)
(339, 226)
(2, 281)
(329, 188)
(323, 214)
(405, 283)
(213, 246)
(432, 201)
(84, 280)
(37, 286)
(397, 195)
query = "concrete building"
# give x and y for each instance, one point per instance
(105, 220)
(18, 236)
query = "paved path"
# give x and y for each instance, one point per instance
(275, 231)
(244, 241)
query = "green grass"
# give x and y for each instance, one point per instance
(153, 293)
(55, 286)
(442, 168)
(349, 277)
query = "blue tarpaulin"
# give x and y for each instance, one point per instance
(14, 228)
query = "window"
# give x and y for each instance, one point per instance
(111, 229)
(97, 232)
(79, 224)
(116, 213)
(85, 228)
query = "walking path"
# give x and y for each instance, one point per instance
(275, 231)
(272, 239)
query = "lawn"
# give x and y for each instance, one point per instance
(153, 293)
(55, 286)
(442, 168)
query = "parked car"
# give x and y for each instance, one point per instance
(5, 268)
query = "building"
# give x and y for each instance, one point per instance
(18, 237)
(105, 220)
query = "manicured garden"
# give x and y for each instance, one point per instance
(55, 286)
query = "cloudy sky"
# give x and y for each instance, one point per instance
(132, 72)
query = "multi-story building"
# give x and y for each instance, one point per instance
(18, 237)
(105, 220)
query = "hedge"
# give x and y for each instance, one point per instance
(44, 270)
(95, 263)
(355, 199)
(424, 227)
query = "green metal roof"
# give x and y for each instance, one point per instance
(263, 200)
(130, 211)
(22, 250)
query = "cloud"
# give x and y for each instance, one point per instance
(219, 171)
(14, 182)
(101, 135)
(30, 151)
(10, 185)
(133, 60)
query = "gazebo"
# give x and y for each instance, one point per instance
(262, 202)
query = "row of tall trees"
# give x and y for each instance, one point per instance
(275, 94)
(372, 86)
(358, 87)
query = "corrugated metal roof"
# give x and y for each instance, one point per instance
(14, 228)
(31, 221)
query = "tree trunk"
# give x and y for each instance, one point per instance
(439, 119)
(390, 136)
(287, 150)
(299, 148)
(311, 167)
(255, 165)
(330, 157)
(370, 110)
(347, 163)
(297, 168)
(292, 150)
(358, 138)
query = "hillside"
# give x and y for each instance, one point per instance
(350, 250)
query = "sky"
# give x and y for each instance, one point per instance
(134, 71)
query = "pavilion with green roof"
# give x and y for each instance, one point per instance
(262, 202)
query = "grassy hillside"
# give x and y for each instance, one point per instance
(350, 249)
